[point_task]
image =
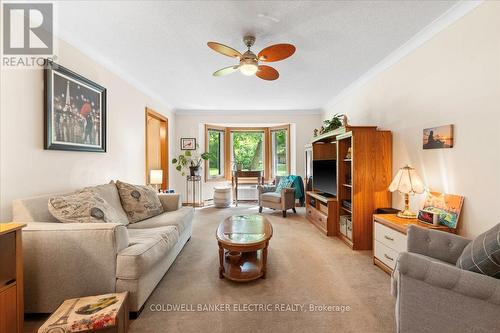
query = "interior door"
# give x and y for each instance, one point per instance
(157, 145)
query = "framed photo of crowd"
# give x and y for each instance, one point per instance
(75, 111)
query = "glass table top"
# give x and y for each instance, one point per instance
(245, 229)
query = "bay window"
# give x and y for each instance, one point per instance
(247, 148)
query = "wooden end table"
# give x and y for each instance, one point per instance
(245, 174)
(243, 242)
(389, 238)
(104, 313)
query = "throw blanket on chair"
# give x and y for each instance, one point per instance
(298, 185)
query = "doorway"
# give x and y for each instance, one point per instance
(157, 146)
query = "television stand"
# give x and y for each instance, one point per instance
(322, 210)
(326, 195)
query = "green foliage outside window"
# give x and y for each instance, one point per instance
(215, 145)
(248, 150)
(280, 152)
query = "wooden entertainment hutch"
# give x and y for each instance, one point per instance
(362, 180)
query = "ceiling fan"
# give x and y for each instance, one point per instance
(249, 62)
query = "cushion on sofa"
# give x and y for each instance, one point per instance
(180, 218)
(109, 192)
(82, 207)
(138, 201)
(482, 255)
(146, 248)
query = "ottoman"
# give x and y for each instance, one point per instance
(222, 197)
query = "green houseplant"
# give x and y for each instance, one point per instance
(188, 160)
(334, 123)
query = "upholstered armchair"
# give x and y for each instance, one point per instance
(284, 200)
(433, 295)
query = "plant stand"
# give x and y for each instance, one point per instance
(194, 192)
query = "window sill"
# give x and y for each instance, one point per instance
(217, 179)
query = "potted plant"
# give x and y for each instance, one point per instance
(190, 161)
(338, 120)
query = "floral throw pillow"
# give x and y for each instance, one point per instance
(283, 183)
(82, 207)
(138, 201)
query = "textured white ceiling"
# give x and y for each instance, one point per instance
(162, 45)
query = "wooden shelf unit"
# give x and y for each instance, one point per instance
(369, 173)
(11, 278)
(322, 212)
(363, 178)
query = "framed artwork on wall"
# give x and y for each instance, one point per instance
(75, 111)
(188, 144)
(438, 137)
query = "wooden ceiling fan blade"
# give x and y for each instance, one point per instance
(267, 73)
(226, 70)
(224, 49)
(276, 52)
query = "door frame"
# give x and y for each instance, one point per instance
(163, 146)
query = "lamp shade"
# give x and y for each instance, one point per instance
(156, 177)
(407, 181)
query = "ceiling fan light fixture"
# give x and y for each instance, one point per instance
(248, 69)
(249, 62)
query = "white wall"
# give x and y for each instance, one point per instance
(26, 169)
(454, 78)
(192, 124)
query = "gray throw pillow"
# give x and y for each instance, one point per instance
(138, 201)
(82, 207)
(482, 255)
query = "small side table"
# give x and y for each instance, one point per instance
(103, 313)
(389, 238)
(194, 192)
(245, 174)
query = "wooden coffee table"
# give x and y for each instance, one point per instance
(243, 242)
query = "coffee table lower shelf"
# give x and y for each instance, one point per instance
(249, 267)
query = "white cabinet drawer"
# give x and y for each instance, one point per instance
(390, 237)
(385, 254)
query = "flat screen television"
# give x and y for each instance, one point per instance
(325, 176)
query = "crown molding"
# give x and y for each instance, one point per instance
(439, 24)
(197, 112)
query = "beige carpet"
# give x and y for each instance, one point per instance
(304, 267)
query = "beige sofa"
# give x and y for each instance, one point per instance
(67, 260)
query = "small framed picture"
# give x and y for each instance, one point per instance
(75, 111)
(438, 137)
(188, 144)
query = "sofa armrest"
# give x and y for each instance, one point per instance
(65, 260)
(445, 276)
(170, 201)
(435, 244)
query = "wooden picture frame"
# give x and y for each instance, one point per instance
(188, 143)
(74, 112)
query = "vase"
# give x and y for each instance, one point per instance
(194, 171)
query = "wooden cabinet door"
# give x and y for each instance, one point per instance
(8, 310)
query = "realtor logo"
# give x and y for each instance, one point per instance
(27, 28)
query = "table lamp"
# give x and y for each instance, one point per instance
(156, 178)
(407, 182)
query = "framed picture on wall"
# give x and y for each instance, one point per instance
(438, 137)
(188, 144)
(75, 111)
